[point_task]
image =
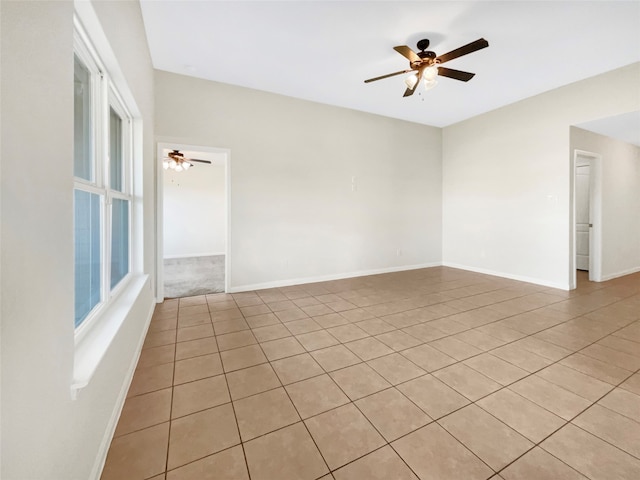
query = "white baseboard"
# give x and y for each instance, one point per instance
(520, 278)
(101, 456)
(191, 255)
(611, 276)
(325, 278)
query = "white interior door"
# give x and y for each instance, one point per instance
(583, 181)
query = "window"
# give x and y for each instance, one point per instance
(102, 186)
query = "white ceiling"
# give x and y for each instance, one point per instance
(625, 127)
(323, 50)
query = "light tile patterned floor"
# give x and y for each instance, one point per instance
(427, 374)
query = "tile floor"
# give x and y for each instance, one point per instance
(431, 374)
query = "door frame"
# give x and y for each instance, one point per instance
(595, 217)
(159, 210)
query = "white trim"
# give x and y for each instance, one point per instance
(595, 217)
(325, 278)
(193, 255)
(519, 278)
(101, 456)
(91, 348)
(167, 144)
(611, 276)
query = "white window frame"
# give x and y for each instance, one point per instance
(105, 96)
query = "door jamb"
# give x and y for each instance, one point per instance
(159, 210)
(595, 217)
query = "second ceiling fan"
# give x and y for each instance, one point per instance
(175, 160)
(426, 64)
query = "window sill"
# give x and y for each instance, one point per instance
(92, 347)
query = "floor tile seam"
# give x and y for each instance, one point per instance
(496, 471)
(173, 378)
(160, 329)
(298, 412)
(202, 458)
(192, 339)
(155, 346)
(388, 444)
(566, 422)
(592, 402)
(235, 417)
(538, 445)
(605, 362)
(154, 365)
(536, 332)
(552, 361)
(353, 402)
(197, 355)
(141, 429)
(614, 411)
(588, 433)
(456, 439)
(437, 303)
(244, 368)
(598, 436)
(197, 380)
(636, 421)
(395, 387)
(586, 346)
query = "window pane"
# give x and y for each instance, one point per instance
(82, 161)
(87, 253)
(119, 240)
(115, 150)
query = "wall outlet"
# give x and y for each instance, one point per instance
(398, 253)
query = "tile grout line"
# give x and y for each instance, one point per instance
(459, 361)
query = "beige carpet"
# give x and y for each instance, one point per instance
(187, 277)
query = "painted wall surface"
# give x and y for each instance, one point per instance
(620, 200)
(316, 190)
(506, 179)
(45, 434)
(195, 221)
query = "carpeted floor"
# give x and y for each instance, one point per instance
(187, 277)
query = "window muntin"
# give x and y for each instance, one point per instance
(88, 247)
(102, 187)
(115, 151)
(82, 125)
(120, 228)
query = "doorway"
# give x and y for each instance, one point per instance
(586, 230)
(192, 214)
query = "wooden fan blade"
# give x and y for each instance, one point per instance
(464, 50)
(387, 76)
(455, 74)
(408, 92)
(196, 160)
(407, 53)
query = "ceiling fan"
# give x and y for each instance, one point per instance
(178, 162)
(426, 65)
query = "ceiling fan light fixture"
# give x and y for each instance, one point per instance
(178, 168)
(186, 165)
(411, 81)
(165, 164)
(430, 73)
(429, 84)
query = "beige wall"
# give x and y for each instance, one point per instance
(46, 434)
(294, 216)
(506, 179)
(620, 190)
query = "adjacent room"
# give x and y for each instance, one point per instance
(319, 240)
